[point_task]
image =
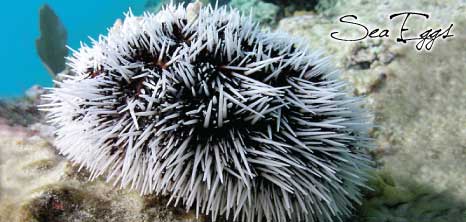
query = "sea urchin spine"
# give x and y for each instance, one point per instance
(225, 118)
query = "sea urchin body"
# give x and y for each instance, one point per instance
(226, 119)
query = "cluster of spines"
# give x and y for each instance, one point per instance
(220, 115)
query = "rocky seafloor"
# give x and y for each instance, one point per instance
(418, 99)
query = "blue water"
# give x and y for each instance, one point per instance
(21, 67)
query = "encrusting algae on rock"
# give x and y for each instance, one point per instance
(39, 185)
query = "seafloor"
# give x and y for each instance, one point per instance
(418, 99)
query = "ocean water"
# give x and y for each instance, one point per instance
(21, 66)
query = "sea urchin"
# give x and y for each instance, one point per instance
(223, 117)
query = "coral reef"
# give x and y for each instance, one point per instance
(51, 45)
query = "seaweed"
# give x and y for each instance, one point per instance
(51, 45)
(402, 200)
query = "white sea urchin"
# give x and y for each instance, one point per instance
(223, 117)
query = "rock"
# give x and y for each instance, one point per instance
(23, 111)
(371, 53)
(289, 7)
(391, 200)
(19, 111)
(422, 112)
(419, 98)
(34, 93)
(37, 184)
(51, 45)
(263, 12)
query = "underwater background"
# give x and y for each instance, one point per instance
(418, 101)
(20, 28)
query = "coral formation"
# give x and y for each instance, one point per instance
(51, 45)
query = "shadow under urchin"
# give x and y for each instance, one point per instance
(225, 118)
